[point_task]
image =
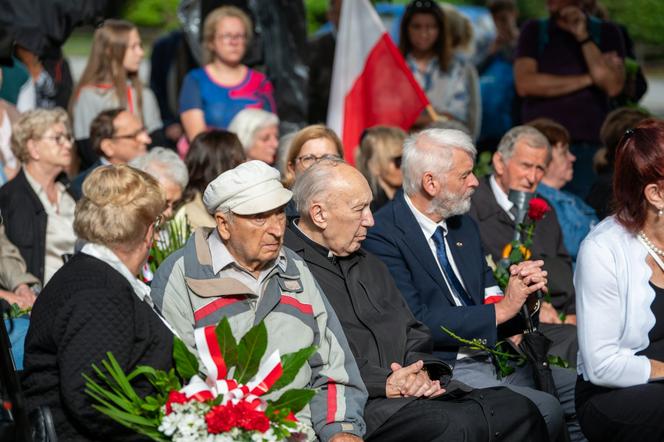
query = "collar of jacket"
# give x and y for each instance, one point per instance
(485, 205)
(200, 277)
(312, 256)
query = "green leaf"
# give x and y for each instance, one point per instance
(291, 364)
(185, 361)
(250, 351)
(227, 342)
(133, 422)
(118, 375)
(558, 361)
(293, 400)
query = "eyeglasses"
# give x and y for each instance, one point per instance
(132, 135)
(60, 139)
(309, 160)
(396, 161)
(231, 37)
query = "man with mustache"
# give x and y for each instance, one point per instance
(409, 394)
(434, 253)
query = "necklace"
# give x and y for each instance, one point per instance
(650, 244)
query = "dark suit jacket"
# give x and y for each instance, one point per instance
(379, 327)
(77, 182)
(497, 230)
(398, 241)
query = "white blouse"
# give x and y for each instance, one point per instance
(613, 299)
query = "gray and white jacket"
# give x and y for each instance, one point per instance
(190, 295)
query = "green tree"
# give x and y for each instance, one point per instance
(152, 13)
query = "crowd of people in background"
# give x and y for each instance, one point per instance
(386, 247)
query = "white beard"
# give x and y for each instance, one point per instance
(447, 206)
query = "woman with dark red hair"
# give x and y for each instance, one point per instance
(619, 284)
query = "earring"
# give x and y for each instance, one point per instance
(660, 212)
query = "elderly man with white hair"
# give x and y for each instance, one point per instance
(171, 172)
(434, 253)
(239, 270)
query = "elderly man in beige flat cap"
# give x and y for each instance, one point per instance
(240, 271)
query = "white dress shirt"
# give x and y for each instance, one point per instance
(428, 228)
(501, 197)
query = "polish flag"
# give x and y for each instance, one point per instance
(371, 83)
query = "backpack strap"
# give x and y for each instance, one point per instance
(542, 34)
(594, 31)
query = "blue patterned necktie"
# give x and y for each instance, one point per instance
(456, 286)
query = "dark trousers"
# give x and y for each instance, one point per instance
(487, 414)
(621, 414)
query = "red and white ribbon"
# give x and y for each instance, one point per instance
(216, 382)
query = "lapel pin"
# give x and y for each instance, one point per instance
(459, 244)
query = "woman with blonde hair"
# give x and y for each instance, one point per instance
(213, 94)
(36, 207)
(110, 79)
(95, 304)
(379, 160)
(310, 145)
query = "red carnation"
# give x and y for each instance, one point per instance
(220, 419)
(249, 418)
(175, 397)
(537, 208)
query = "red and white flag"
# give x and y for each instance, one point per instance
(371, 83)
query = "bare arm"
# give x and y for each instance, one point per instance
(531, 83)
(607, 70)
(193, 122)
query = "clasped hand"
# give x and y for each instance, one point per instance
(526, 278)
(411, 381)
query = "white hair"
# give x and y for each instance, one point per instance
(314, 183)
(531, 136)
(163, 163)
(249, 121)
(431, 151)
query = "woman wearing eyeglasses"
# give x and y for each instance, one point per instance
(379, 160)
(310, 145)
(448, 78)
(619, 283)
(95, 304)
(213, 94)
(36, 207)
(110, 80)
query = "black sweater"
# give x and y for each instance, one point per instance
(86, 310)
